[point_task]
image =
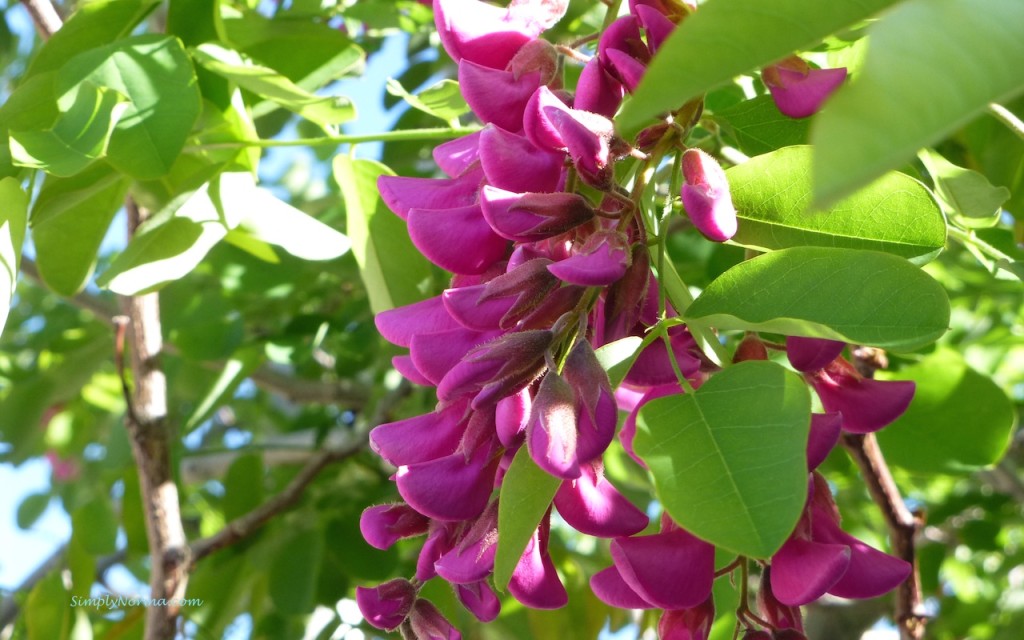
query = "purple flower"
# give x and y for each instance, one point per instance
(797, 89)
(687, 624)
(531, 217)
(781, 616)
(597, 90)
(386, 606)
(471, 559)
(867, 405)
(427, 623)
(511, 162)
(457, 240)
(706, 196)
(601, 261)
(821, 558)
(497, 96)
(452, 488)
(667, 570)
(482, 33)
(824, 435)
(497, 369)
(480, 599)
(592, 505)
(535, 581)
(385, 524)
(811, 354)
(421, 438)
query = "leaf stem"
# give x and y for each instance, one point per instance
(969, 238)
(438, 133)
(1008, 118)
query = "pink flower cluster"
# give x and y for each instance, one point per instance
(543, 275)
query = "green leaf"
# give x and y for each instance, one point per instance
(93, 24)
(932, 66)
(526, 495)
(969, 198)
(155, 74)
(760, 127)
(729, 461)
(95, 526)
(441, 100)
(727, 38)
(772, 193)
(885, 301)
(13, 218)
(275, 222)
(617, 357)
(169, 247)
(235, 370)
(243, 486)
(959, 420)
(79, 135)
(48, 610)
(390, 266)
(31, 508)
(265, 82)
(293, 573)
(69, 220)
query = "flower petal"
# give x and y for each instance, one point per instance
(799, 95)
(601, 261)
(611, 589)
(420, 438)
(497, 96)
(824, 436)
(480, 32)
(449, 488)
(458, 240)
(671, 570)
(401, 324)
(597, 90)
(402, 194)
(480, 599)
(513, 163)
(803, 570)
(811, 354)
(535, 581)
(592, 505)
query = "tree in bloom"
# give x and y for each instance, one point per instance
(544, 221)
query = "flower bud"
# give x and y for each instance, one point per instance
(706, 196)
(798, 90)
(427, 623)
(387, 605)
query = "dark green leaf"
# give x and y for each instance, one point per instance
(726, 38)
(931, 67)
(970, 199)
(729, 460)
(79, 135)
(235, 370)
(526, 494)
(772, 193)
(13, 219)
(31, 508)
(759, 127)
(243, 486)
(155, 74)
(959, 419)
(69, 219)
(48, 612)
(390, 266)
(95, 526)
(617, 357)
(264, 81)
(293, 572)
(886, 301)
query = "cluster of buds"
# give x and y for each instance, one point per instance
(542, 276)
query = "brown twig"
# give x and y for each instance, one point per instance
(244, 526)
(904, 526)
(44, 16)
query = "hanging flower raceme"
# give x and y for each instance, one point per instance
(550, 259)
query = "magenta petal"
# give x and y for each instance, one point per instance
(597, 91)
(628, 69)
(529, 217)
(657, 27)
(402, 194)
(586, 137)
(467, 564)
(551, 436)
(622, 35)
(534, 581)
(628, 431)
(611, 589)
(387, 605)
(465, 306)
(496, 96)
(435, 354)
(429, 624)
(421, 438)
(653, 367)
(600, 262)
(513, 163)
(458, 240)
(480, 599)
(439, 541)
(867, 405)
(405, 366)
(689, 624)
(596, 427)
(456, 156)
(803, 570)
(383, 525)
(537, 119)
(871, 573)
(824, 436)
(706, 196)
(811, 354)
(592, 505)
(671, 570)
(798, 95)
(401, 324)
(480, 32)
(449, 488)
(511, 415)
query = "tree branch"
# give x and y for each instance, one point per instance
(244, 526)
(904, 526)
(44, 16)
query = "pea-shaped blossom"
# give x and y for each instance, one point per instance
(706, 196)
(797, 89)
